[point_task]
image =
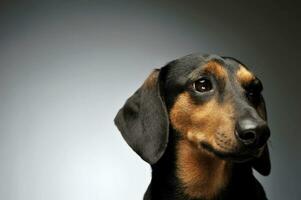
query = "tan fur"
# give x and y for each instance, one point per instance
(244, 76)
(208, 122)
(201, 173)
(215, 68)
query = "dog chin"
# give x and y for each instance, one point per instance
(233, 156)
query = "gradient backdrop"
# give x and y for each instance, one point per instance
(66, 67)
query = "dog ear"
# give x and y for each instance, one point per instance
(262, 164)
(143, 120)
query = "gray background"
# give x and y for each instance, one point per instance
(67, 67)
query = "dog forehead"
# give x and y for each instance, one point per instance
(190, 67)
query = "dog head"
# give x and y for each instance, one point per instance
(213, 102)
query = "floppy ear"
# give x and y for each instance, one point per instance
(262, 164)
(143, 120)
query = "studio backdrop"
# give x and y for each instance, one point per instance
(66, 67)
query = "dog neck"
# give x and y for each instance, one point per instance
(186, 172)
(201, 173)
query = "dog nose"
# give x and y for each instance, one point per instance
(251, 133)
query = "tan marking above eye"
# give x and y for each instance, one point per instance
(215, 68)
(244, 76)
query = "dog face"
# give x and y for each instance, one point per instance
(216, 104)
(213, 102)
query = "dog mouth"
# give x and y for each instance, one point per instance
(239, 157)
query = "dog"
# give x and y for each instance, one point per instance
(200, 122)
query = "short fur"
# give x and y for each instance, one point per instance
(188, 138)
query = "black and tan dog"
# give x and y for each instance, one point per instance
(200, 122)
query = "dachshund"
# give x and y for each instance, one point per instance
(200, 122)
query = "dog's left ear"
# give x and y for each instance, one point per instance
(143, 120)
(262, 164)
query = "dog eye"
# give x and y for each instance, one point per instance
(253, 97)
(253, 91)
(202, 85)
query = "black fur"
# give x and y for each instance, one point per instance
(144, 124)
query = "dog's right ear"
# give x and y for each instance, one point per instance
(263, 163)
(143, 120)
